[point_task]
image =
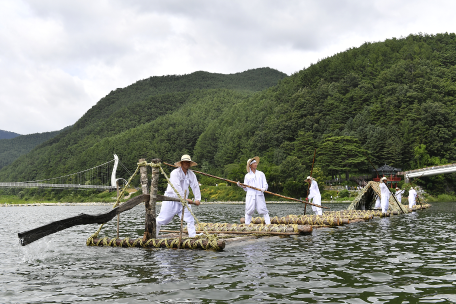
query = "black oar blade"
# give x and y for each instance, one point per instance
(29, 236)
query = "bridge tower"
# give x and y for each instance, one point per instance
(114, 169)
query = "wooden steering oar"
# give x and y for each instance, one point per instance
(308, 188)
(29, 236)
(399, 205)
(268, 192)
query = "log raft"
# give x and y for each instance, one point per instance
(312, 220)
(188, 243)
(280, 226)
(273, 229)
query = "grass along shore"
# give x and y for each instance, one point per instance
(221, 194)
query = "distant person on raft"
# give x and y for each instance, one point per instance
(314, 195)
(254, 198)
(385, 194)
(412, 197)
(181, 178)
(398, 194)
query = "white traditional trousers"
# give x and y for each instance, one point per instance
(169, 209)
(385, 197)
(315, 197)
(317, 201)
(412, 198)
(257, 202)
(385, 203)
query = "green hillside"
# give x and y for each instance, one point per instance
(132, 108)
(393, 101)
(11, 149)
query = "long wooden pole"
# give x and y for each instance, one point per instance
(268, 192)
(386, 185)
(182, 221)
(308, 188)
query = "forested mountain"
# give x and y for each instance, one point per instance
(84, 144)
(11, 149)
(391, 101)
(8, 135)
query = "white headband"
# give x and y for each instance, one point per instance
(252, 162)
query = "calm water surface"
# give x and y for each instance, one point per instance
(404, 259)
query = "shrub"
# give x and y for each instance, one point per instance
(344, 193)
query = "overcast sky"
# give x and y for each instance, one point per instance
(58, 58)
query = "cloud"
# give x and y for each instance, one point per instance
(58, 58)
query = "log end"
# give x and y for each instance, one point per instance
(305, 229)
(344, 221)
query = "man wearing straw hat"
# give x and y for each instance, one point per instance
(181, 178)
(412, 197)
(385, 194)
(254, 198)
(314, 195)
(398, 194)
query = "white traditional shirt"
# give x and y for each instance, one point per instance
(398, 195)
(385, 193)
(313, 191)
(412, 195)
(257, 180)
(181, 182)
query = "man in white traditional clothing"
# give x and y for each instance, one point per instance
(181, 178)
(254, 198)
(314, 195)
(385, 194)
(398, 194)
(412, 197)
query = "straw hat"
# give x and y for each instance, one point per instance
(250, 160)
(310, 177)
(397, 188)
(383, 178)
(185, 158)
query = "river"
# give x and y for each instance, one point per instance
(403, 259)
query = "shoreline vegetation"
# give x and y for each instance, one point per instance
(210, 195)
(21, 203)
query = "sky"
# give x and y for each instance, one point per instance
(59, 58)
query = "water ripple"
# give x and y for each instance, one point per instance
(408, 258)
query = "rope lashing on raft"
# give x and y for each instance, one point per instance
(247, 228)
(169, 243)
(89, 241)
(301, 220)
(198, 242)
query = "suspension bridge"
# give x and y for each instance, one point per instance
(450, 168)
(94, 178)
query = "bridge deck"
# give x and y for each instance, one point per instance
(53, 186)
(450, 168)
